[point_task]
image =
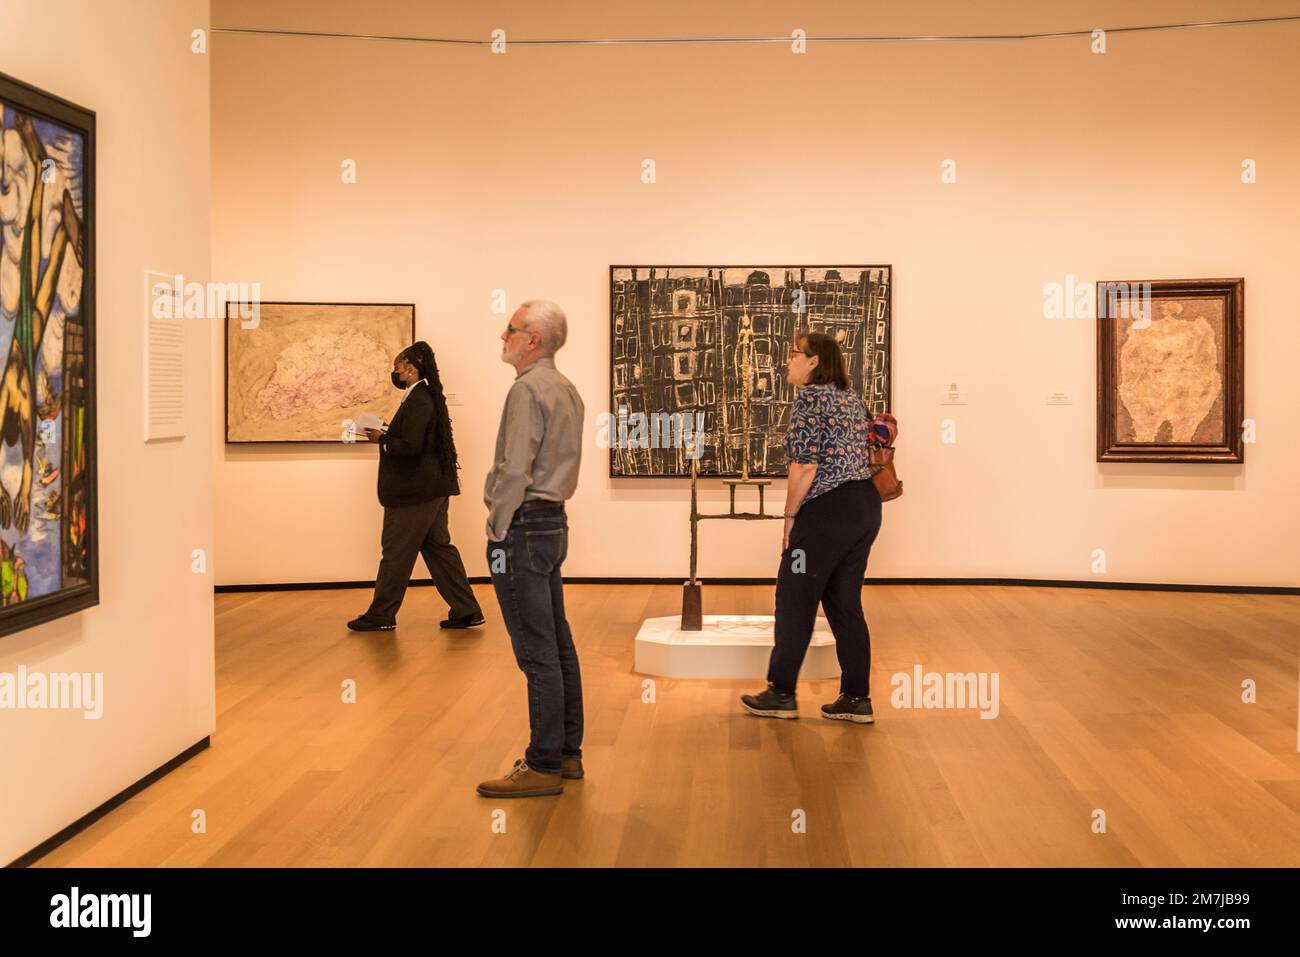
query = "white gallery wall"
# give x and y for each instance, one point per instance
(522, 172)
(151, 636)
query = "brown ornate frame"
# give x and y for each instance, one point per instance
(1110, 299)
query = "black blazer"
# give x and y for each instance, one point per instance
(410, 471)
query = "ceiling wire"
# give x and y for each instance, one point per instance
(648, 41)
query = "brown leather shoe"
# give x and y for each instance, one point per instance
(522, 781)
(571, 768)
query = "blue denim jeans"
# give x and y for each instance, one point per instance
(525, 569)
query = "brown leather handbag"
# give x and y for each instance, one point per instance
(881, 459)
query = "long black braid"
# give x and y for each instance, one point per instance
(420, 355)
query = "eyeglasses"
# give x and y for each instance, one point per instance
(512, 329)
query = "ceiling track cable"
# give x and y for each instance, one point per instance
(651, 41)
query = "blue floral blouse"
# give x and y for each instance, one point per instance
(830, 427)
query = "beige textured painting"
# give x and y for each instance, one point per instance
(299, 371)
(1170, 373)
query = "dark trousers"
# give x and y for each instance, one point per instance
(411, 530)
(825, 564)
(525, 569)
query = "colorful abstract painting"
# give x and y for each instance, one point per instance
(48, 555)
(298, 371)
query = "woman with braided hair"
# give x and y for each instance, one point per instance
(417, 477)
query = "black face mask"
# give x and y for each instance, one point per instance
(397, 381)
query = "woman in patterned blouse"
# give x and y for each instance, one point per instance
(832, 516)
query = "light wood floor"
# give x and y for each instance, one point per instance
(1129, 702)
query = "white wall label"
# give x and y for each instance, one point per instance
(164, 362)
(953, 396)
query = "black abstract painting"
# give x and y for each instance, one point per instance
(676, 354)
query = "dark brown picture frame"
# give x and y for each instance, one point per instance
(1114, 304)
(69, 599)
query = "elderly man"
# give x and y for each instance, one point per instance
(539, 446)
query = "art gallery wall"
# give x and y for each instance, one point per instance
(523, 172)
(151, 635)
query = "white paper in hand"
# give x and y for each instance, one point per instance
(367, 420)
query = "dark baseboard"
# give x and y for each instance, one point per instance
(1024, 582)
(83, 822)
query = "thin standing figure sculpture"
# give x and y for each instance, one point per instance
(692, 599)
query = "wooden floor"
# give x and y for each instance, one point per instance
(1128, 702)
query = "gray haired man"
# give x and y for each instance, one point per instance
(539, 447)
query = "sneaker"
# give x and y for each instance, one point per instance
(468, 621)
(522, 781)
(369, 622)
(770, 704)
(571, 768)
(847, 708)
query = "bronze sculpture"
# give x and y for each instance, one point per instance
(692, 604)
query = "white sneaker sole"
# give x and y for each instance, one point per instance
(855, 718)
(770, 714)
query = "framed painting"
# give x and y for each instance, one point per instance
(684, 338)
(299, 371)
(49, 552)
(1170, 370)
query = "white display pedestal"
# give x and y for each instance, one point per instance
(730, 646)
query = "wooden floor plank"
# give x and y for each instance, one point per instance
(1125, 701)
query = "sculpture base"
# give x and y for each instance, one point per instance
(728, 646)
(692, 607)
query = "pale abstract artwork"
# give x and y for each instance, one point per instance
(298, 371)
(1171, 373)
(1171, 370)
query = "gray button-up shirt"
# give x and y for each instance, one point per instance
(539, 445)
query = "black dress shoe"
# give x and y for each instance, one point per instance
(468, 622)
(770, 704)
(369, 622)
